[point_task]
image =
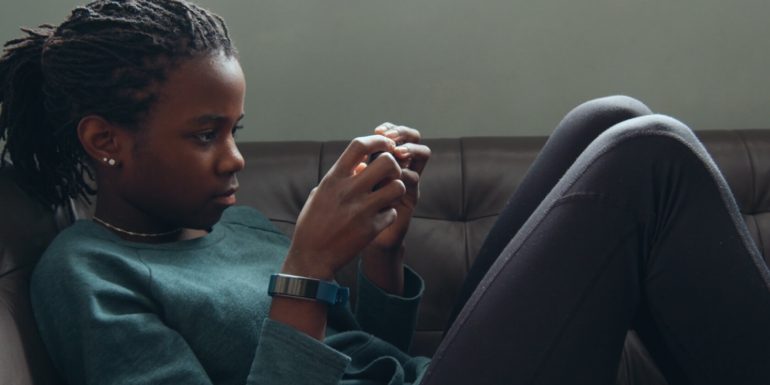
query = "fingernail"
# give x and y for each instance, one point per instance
(393, 134)
(402, 150)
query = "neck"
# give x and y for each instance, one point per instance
(178, 234)
(134, 233)
(133, 224)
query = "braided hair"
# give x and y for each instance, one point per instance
(106, 59)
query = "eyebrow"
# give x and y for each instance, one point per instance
(204, 119)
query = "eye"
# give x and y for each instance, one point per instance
(236, 129)
(206, 136)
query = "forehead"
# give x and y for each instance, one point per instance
(203, 86)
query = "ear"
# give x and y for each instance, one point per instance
(101, 140)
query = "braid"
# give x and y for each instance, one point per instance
(22, 98)
(108, 59)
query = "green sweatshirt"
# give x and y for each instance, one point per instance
(195, 312)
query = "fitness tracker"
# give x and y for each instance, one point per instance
(285, 285)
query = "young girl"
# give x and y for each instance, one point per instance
(170, 284)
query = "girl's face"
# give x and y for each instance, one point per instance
(181, 165)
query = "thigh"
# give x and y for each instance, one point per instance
(571, 136)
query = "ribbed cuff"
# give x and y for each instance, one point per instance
(287, 356)
(387, 316)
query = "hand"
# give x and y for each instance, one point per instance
(345, 213)
(412, 157)
(383, 258)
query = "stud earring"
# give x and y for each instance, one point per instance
(110, 161)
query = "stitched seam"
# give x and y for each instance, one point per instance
(463, 206)
(753, 174)
(573, 311)
(14, 270)
(601, 198)
(250, 226)
(463, 211)
(482, 217)
(429, 218)
(320, 163)
(760, 243)
(283, 221)
(466, 242)
(364, 346)
(151, 283)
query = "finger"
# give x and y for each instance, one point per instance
(384, 218)
(401, 153)
(417, 154)
(384, 167)
(389, 192)
(410, 178)
(383, 128)
(400, 134)
(360, 167)
(358, 149)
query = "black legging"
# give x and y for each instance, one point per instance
(622, 221)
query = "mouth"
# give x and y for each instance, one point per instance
(226, 198)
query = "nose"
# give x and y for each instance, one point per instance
(231, 160)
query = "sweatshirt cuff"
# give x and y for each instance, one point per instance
(387, 316)
(287, 356)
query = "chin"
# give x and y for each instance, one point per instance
(205, 220)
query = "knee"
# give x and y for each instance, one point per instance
(615, 108)
(593, 117)
(650, 133)
(655, 125)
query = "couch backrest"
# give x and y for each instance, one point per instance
(466, 183)
(744, 158)
(464, 187)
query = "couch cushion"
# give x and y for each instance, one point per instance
(743, 156)
(25, 231)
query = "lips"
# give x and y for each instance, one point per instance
(226, 198)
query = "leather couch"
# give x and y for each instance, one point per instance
(465, 185)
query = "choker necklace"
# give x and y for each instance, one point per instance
(146, 235)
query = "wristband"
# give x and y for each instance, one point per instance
(285, 285)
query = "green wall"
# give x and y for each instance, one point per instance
(334, 69)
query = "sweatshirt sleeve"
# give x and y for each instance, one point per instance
(101, 326)
(390, 317)
(287, 356)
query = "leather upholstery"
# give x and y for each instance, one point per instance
(465, 185)
(25, 231)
